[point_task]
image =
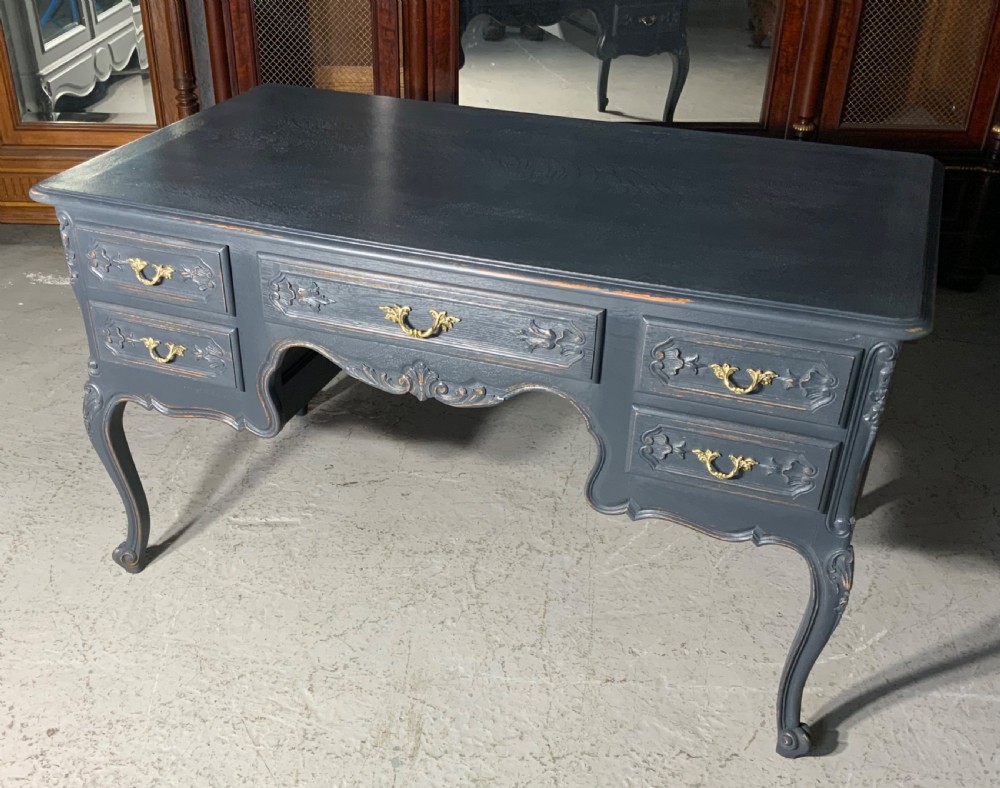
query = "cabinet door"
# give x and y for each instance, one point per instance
(347, 45)
(920, 75)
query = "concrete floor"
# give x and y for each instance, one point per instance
(551, 77)
(393, 593)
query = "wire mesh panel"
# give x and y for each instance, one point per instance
(916, 63)
(315, 43)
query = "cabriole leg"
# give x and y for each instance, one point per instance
(104, 422)
(831, 572)
(682, 63)
(603, 72)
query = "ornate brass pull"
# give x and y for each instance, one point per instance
(161, 272)
(173, 351)
(399, 315)
(648, 21)
(740, 464)
(758, 378)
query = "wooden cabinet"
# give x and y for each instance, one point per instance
(39, 67)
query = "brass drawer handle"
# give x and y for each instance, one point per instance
(399, 315)
(173, 351)
(161, 272)
(758, 378)
(648, 21)
(740, 464)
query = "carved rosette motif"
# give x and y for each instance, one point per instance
(818, 385)
(568, 340)
(65, 231)
(669, 360)
(286, 291)
(798, 473)
(92, 404)
(425, 383)
(656, 447)
(840, 571)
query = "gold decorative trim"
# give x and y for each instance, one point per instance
(804, 128)
(160, 272)
(740, 464)
(400, 316)
(758, 378)
(174, 352)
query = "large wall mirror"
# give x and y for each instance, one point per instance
(704, 61)
(81, 76)
(79, 60)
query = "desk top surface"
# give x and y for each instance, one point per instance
(815, 227)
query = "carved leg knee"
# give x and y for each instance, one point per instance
(104, 422)
(831, 573)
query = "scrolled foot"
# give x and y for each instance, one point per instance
(127, 559)
(794, 742)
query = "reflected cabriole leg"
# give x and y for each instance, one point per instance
(104, 422)
(831, 572)
(681, 64)
(603, 72)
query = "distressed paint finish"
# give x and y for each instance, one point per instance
(533, 300)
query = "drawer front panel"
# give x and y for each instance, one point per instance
(772, 466)
(647, 20)
(809, 382)
(560, 339)
(158, 268)
(188, 348)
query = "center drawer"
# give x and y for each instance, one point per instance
(560, 339)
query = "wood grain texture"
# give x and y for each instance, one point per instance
(628, 205)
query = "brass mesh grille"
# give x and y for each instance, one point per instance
(916, 63)
(315, 43)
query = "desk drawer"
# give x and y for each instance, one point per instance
(647, 20)
(764, 464)
(188, 348)
(158, 268)
(560, 339)
(809, 382)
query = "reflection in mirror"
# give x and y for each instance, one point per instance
(79, 60)
(662, 60)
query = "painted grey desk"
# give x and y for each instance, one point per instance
(724, 311)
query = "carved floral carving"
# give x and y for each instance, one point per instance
(798, 473)
(65, 231)
(211, 355)
(668, 360)
(656, 447)
(840, 571)
(567, 339)
(880, 392)
(425, 383)
(818, 385)
(116, 338)
(92, 404)
(200, 275)
(286, 291)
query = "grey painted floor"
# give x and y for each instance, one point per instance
(392, 593)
